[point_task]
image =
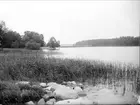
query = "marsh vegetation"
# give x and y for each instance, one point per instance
(30, 65)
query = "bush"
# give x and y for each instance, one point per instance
(8, 86)
(38, 90)
(24, 86)
(10, 96)
(32, 45)
(30, 95)
(9, 93)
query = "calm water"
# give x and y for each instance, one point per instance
(108, 54)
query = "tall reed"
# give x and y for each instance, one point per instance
(33, 66)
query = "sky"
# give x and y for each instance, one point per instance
(72, 21)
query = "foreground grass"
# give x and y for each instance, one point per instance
(12, 93)
(29, 65)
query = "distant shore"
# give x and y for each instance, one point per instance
(95, 46)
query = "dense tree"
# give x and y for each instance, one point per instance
(2, 33)
(53, 43)
(32, 45)
(122, 41)
(58, 44)
(30, 35)
(15, 44)
(11, 39)
(8, 38)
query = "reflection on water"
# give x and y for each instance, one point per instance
(111, 54)
(53, 52)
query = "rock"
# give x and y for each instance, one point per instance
(23, 82)
(30, 103)
(47, 91)
(43, 84)
(64, 83)
(81, 86)
(85, 100)
(51, 102)
(73, 82)
(78, 101)
(138, 99)
(78, 89)
(82, 94)
(52, 89)
(63, 102)
(48, 88)
(50, 83)
(52, 94)
(46, 97)
(66, 93)
(41, 102)
(36, 86)
(53, 85)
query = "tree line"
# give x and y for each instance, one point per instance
(30, 39)
(121, 41)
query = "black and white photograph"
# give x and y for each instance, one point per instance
(69, 52)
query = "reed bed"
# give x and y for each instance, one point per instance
(32, 66)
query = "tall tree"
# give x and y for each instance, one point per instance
(12, 39)
(2, 33)
(30, 35)
(53, 43)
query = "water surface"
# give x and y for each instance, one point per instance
(128, 55)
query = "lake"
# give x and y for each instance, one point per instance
(127, 55)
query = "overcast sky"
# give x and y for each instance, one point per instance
(72, 21)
